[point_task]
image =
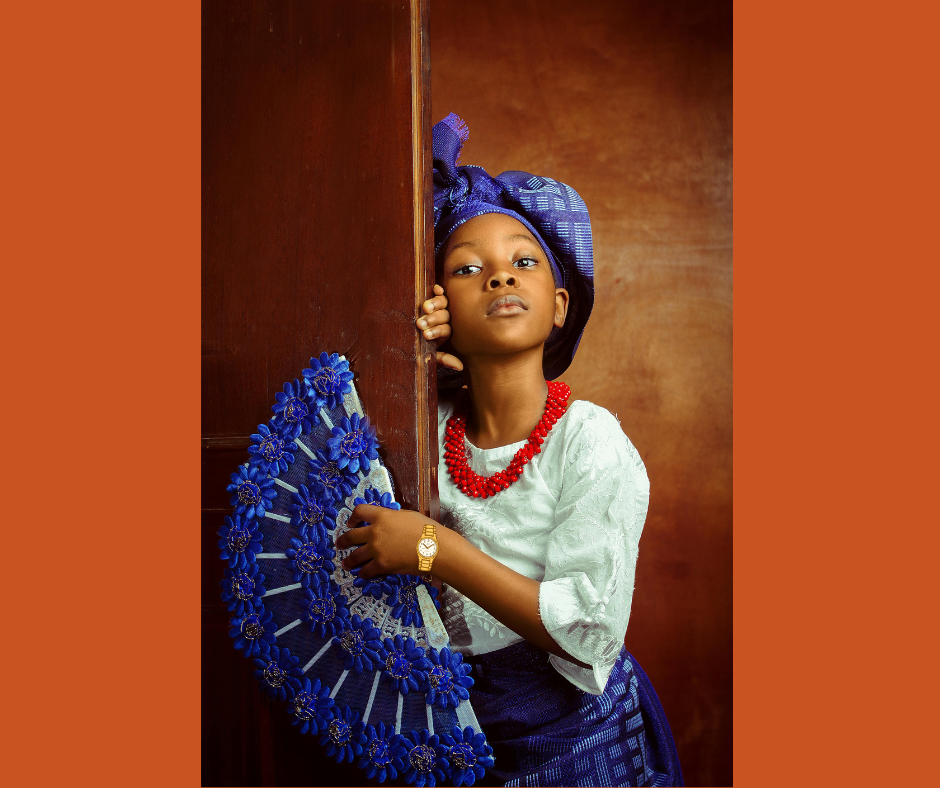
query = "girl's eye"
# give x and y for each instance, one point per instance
(466, 270)
(525, 262)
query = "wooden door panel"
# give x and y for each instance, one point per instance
(309, 212)
(316, 236)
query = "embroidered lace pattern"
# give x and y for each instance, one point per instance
(572, 521)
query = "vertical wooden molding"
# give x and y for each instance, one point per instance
(425, 366)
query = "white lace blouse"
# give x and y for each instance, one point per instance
(572, 522)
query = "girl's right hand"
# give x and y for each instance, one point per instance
(435, 324)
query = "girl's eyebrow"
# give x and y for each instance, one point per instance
(521, 237)
(476, 241)
(462, 243)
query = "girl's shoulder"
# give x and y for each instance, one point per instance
(593, 425)
(591, 430)
(584, 416)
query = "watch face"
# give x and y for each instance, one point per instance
(427, 547)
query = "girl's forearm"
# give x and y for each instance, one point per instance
(506, 595)
(388, 546)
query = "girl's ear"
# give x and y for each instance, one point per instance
(561, 306)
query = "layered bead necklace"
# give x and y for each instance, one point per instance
(476, 486)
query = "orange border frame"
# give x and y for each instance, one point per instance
(835, 172)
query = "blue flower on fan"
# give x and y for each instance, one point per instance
(292, 413)
(311, 517)
(242, 589)
(329, 482)
(240, 541)
(403, 600)
(382, 748)
(254, 633)
(312, 707)
(252, 492)
(447, 680)
(344, 737)
(373, 586)
(278, 674)
(406, 666)
(329, 378)
(425, 759)
(353, 444)
(362, 642)
(326, 613)
(468, 755)
(271, 452)
(312, 561)
(375, 498)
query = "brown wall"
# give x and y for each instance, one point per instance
(631, 104)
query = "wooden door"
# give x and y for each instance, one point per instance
(317, 228)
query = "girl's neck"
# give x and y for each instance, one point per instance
(507, 398)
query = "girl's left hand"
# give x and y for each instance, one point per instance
(435, 325)
(387, 544)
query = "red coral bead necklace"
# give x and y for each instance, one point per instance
(476, 486)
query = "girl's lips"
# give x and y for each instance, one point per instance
(507, 305)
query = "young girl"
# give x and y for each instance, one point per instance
(542, 502)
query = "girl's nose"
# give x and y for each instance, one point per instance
(502, 278)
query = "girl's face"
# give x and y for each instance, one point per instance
(499, 286)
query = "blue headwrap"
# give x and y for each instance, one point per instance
(553, 212)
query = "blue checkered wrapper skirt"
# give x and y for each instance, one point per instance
(545, 731)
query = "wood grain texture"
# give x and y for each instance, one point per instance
(309, 206)
(316, 236)
(630, 102)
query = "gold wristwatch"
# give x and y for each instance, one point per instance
(427, 548)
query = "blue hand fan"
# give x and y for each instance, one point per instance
(363, 665)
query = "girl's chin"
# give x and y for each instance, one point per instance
(507, 334)
(501, 351)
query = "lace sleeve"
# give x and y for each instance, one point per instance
(585, 597)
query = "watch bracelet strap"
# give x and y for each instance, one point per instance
(424, 564)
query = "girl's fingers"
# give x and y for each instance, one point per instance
(439, 318)
(370, 569)
(435, 324)
(441, 332)
(357, 557)
(352, 537)
(433, 304)
(363, 513)
(448, 360)
(436, 318)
